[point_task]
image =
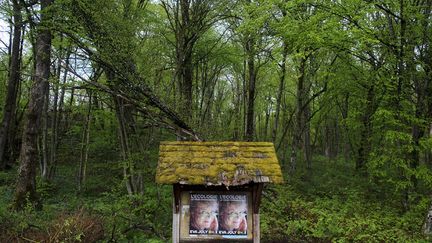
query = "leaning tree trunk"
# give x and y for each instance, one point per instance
(26, 182)
(12, 90)
(124, 114)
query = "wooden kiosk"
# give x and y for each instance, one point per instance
(217, 188)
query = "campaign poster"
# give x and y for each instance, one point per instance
(204, 210)
(233, 214)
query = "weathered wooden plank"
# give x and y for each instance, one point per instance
(256, 228)
(175, 222)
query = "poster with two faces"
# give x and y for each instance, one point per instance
(216, 214)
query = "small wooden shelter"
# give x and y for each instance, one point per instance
(223, 176)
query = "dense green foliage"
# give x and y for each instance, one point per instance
(332, 204)
(342, 88)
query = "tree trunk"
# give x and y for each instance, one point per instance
(124, 145)
(26, 182)
(85, 145)
(58, 114)
(12, 90)
(244, 96)
(126, 127)
(45, 153)
(306, 137)
(250, 113)
(238, 110)
(331, 134)
(68, 110)
(418, 129)
(344, 109)
(366, 131)
(280, 91)
(188, 22)
(428, 95)
(185, 73)
(299, 124)
(54, 132)
(184, 59)
(267, 118)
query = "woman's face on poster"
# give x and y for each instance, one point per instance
(204, 214)
(233, 215)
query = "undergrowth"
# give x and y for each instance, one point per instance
(329, 203)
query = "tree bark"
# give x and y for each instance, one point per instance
(57, 116)
(366, 131)
(427, 59)
(124, 145)
(237, 109)
(85, 145)
(26, 182)
(44, 141)
(267, 118)
(299, 124)
(252, 71)
(126, 127)
(344, 109)
(280, 91)
(306, 137)
(12, 90)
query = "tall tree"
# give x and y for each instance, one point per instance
(249, 27)
(26, 181)
(282, 67)
(14, 77)
(250, 51)
(189, 20)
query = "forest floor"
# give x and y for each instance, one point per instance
(318, 205)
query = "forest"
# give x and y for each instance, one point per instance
(89, 89)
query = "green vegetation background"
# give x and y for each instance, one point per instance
(328, 204)
(352, 62)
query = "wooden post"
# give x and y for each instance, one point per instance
(256, 197)
(176, 214)
(256, 228)
(176, 228)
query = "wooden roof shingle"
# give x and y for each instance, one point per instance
(217, 163)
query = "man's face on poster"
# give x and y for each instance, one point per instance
(203, 215)
(234, 216)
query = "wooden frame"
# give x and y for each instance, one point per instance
(252, 189)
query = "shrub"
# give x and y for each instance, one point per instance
(79, 226)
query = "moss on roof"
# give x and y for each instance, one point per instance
(217, 163)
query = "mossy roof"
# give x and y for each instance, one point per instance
(217, 163)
